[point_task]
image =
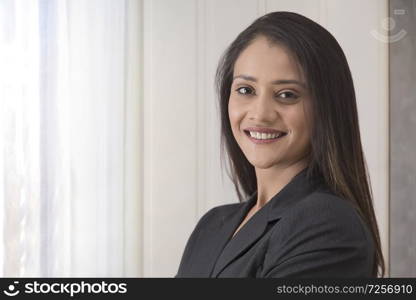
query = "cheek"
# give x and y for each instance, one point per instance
(234, 114)
(298, 122)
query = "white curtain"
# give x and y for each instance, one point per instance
(69, 98)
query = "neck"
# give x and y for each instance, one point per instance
(270, 181)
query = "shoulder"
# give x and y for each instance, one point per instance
(217, 214)
(214, 217)
(323, 207)
(321, 235)
(209, 220)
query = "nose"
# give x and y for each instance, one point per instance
(263, 108)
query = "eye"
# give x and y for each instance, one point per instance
(287, 96)
(244, 90)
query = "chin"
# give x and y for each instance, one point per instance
(262, 164)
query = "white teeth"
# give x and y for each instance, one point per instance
(264, 136)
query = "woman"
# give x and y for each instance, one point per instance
(290, 129)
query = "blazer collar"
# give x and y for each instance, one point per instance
(229, 248)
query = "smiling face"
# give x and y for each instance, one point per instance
(268, 92)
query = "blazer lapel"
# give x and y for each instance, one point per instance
(260, 222)
(215, 238)
(243, 239)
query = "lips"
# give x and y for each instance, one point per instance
(279, 134)
(263, 130)
(264, 135)
(267, 140)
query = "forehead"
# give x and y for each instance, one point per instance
(267, 61)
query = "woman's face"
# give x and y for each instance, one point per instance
(268, 93)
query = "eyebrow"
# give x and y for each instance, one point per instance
(279, 81)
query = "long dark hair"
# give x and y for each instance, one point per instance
(336, 151)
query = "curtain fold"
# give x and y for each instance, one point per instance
(64, 136)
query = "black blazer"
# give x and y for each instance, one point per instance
(304, 231)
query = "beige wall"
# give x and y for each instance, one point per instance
(403, 139)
